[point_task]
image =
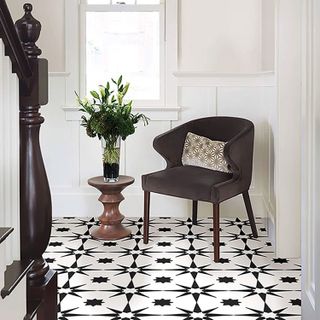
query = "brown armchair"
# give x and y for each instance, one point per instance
(200, 184)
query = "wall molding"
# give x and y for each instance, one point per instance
(213, 79)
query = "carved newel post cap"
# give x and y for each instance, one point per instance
(28, 29)
(27, 7)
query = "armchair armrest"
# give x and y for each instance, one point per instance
(170, 145)
(239, 154)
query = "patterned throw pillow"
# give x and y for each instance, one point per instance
(202, 152)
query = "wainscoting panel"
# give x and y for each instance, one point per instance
(196, 102)
(71, 157)
(9, 156)
(59, 139)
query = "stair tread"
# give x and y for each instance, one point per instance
(4, 232)
(14, 274)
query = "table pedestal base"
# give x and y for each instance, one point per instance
(110, 232)
(111, 227)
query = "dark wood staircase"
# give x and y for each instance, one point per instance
(14, 273)
(31, 270)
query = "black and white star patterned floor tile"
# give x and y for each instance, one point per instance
(174, 276)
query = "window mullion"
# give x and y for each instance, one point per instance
(121, 8)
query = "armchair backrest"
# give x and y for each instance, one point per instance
(218, 128)
(237, 132)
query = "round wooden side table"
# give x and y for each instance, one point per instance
(111, 227)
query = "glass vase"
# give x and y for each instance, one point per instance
(111, 159)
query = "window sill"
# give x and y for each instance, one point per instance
(153, 113)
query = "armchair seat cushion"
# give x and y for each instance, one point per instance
(188, 182)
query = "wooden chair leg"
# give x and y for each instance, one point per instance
(247, 203)
(194, 212)
(146, 217)
(216, 232)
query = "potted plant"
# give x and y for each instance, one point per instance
(109, 117)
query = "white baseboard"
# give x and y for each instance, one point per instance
(270, 221)
(83, 202)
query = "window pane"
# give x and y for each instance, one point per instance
(126, 43)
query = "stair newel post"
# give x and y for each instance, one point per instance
(35, 197)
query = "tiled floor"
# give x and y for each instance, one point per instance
(173, 277)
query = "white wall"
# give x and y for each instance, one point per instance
(239, 35)
(288, 148)
(52, 38)
(232, 30)
(310, 206)
(267, 34)
(230, 43)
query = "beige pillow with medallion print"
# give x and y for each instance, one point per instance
(205, 153)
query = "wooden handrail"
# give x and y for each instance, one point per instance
(13, 46)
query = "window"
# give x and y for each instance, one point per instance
(136, 38)
(125, 37)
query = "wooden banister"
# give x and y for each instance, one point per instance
(13, 45)
(35, 198)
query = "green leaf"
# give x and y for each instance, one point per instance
(95, 94)
(119, 80)
(125, 90)
(107, 115)
(103, 94)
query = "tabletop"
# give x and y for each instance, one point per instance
(99, 182)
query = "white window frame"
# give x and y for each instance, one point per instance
(75, 45)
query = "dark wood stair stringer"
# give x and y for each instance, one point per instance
(4, 233)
